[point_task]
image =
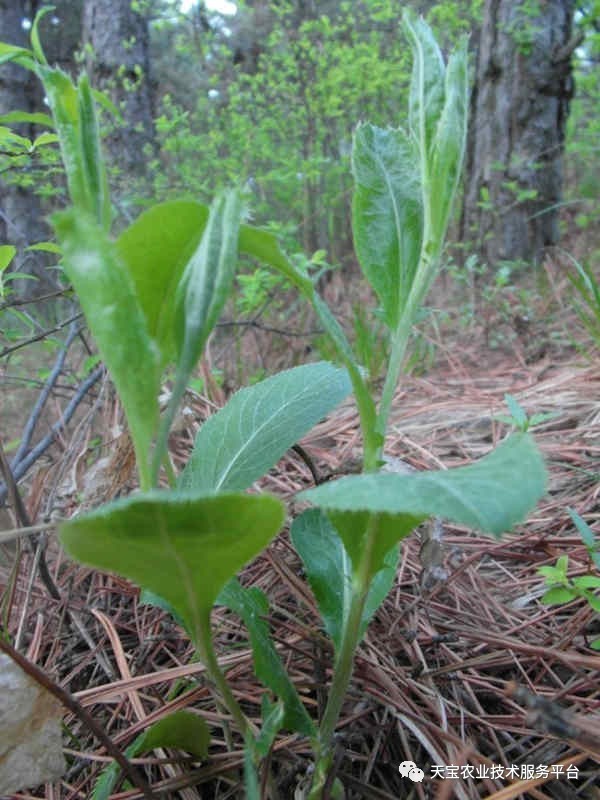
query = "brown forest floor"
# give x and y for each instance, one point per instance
(476, 673)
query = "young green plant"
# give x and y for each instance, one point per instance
(151, 297)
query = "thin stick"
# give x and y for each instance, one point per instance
(74, 707)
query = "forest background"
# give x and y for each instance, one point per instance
(268, 94)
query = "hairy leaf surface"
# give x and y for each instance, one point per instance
(182, 548)
(426, 98)
(387, 214)
(115, 317)
(249, 435)
(492, 494)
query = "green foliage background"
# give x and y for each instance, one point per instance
(283, 119)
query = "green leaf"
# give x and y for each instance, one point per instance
(553, 575)
(181, 730)
(383, 531)
(46, 247)
(19, 55)
(249, 435)
(252, 606)
(593, 600)
(62, 99)
(587, 582)
(206, 280)
(36, 45)
(44, 139)
(562, 565)
(387, 214)
(380, 587)
(265, 247)
(518, 415)
(327, 566)
(426, 99)
(12, 142)
(35, 118)
(152, 599)
(93, 171)
(557, 596)
(182, 548)
(450, 142)
(492, 494)
(199, 299)
(587, 534)
(272, 721)
(595, 645)
(364, 399)
(7, 253)
(156, 249)
(113, 313)
(329, 572)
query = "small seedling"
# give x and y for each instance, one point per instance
(518, 416)
(563, 589)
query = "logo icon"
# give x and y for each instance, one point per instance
(408, 769)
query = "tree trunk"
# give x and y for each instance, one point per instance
(519, 109)
(120, 65)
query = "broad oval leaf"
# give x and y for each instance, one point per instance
(243, 440)
(492, 494)
(387, 214)
(113, 313)
(156, 248)
(330, 571)
(182, 548)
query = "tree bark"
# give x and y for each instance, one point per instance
(119, 63)
(519, 109)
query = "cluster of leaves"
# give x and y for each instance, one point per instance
(151, 297)
(587, 287)
(563, 589)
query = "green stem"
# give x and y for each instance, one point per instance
(400, 340)
(208, 657)
(344, 663)
(170, 470)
